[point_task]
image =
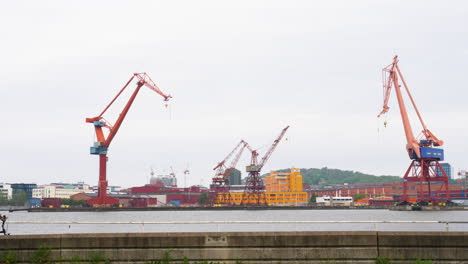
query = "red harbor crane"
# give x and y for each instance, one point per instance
(423, 151)
(103, 142)
(220, 182)
(254, 192)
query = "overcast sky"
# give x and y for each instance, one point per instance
(236, 70)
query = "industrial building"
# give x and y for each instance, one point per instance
(276, 198)
(62, 191)
(169, 195)
(391, 189)
(282, 188)
(447, 168)
(6, 191)
(284, 181)
(334, 201)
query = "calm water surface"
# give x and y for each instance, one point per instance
(147, 221)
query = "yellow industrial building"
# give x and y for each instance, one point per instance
(282, 188)
(284, 181)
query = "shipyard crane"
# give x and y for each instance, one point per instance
(254, 192)
(223, 172)
(220, 182)
(425, 167)
(103, 142)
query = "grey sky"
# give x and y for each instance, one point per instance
(237, 70)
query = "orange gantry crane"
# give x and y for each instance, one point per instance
(103, 142)
(425, 167)
(254, 192)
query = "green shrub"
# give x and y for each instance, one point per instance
(9, 258)
(381, 260)
(41, 256)
(98, 259)
(76, 260)
(166, 259)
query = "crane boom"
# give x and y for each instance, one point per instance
(413, 146)
(239, 154)
(221, 163)
(223, 172)
(254, 192)
(272, 148)
(148, 82)
(99, 121)
(425, 167)
(102, 143)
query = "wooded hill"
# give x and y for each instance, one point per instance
(325, 176)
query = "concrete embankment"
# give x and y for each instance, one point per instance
(249, 248)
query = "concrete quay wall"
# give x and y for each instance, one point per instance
(248, 247)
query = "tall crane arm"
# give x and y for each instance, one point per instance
(239, 154)
(99, 121)
(235, 160)
(390, 79)
(221, 165)
(272, 148)
(143, 77)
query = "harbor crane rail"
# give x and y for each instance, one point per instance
(103, 142)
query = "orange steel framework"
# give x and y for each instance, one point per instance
(254, 192)
(102, 144)
(425, 167)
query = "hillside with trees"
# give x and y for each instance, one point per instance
(326, 176)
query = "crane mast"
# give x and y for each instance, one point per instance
(102, 143)
(425, 167)
(254, 192)
(220, 183)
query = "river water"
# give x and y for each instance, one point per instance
(234, 221)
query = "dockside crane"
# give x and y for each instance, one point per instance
(223, 172)
(254, 192)
(423, 151)
(220, 182)
(103, 142)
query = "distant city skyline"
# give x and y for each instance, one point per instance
(236, 70)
